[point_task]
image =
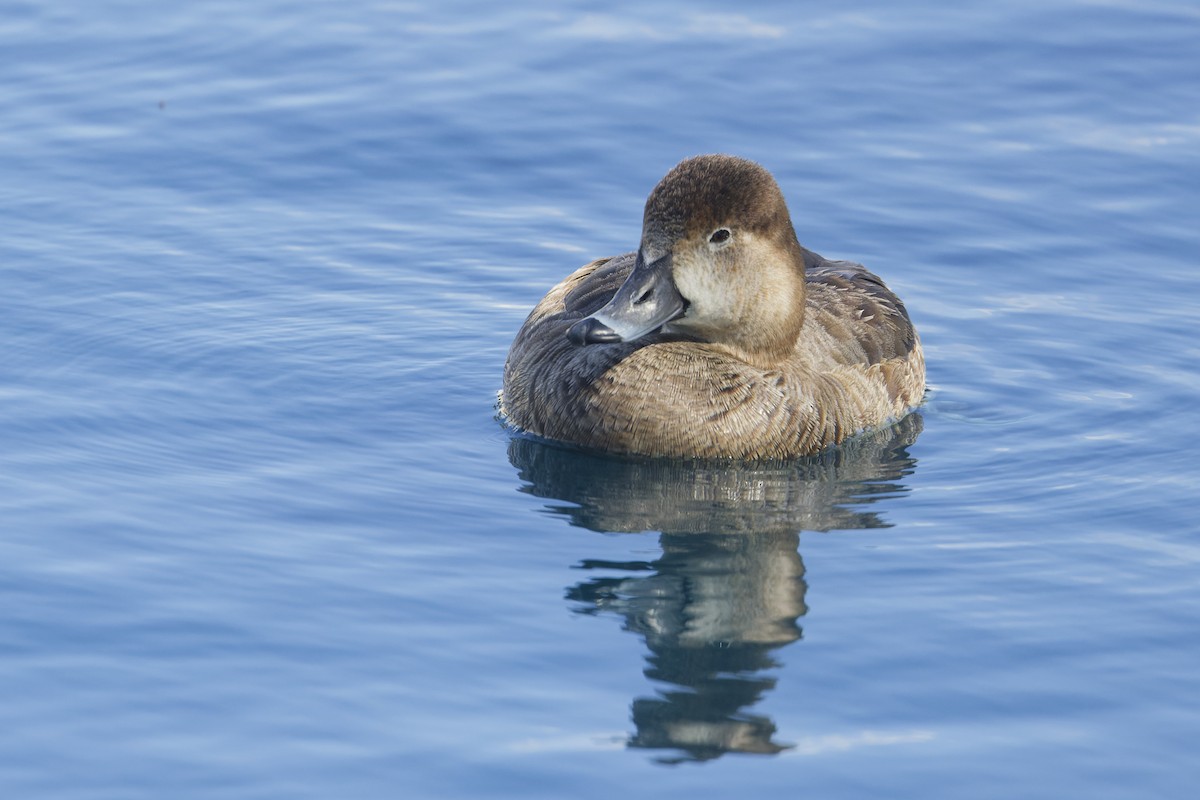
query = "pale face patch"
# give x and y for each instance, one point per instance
(738, 289)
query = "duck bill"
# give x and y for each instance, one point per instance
(647, 300)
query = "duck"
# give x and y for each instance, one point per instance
(720, 337)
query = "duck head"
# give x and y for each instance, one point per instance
(719, 261)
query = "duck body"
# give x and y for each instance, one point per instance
(720, 337)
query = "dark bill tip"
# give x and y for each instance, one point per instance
(591, 331)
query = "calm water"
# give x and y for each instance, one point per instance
(264, 537)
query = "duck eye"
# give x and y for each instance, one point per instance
(720, 236)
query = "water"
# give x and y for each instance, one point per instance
(263, 536)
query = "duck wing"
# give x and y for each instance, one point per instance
(848, 294)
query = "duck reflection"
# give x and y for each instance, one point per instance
(728, 589)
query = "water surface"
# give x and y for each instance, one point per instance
(264, 536)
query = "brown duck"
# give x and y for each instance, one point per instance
(720, 337)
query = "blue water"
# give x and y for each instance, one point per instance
(263, 536)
